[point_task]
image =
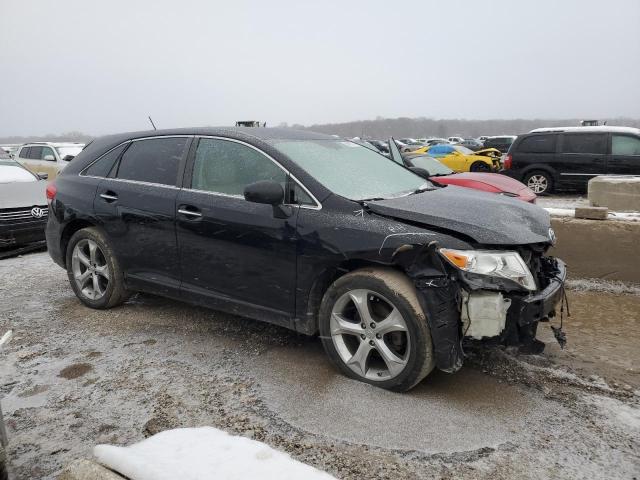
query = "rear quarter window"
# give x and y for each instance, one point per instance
(103, 166)
(538, 144)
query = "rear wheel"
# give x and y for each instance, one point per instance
(479, 167)
(93, 270)
(539, 181)
(374, 330)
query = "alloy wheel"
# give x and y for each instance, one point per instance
(370, 335)
(538, 183)
(90, 269)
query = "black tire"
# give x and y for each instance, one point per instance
(541, 180)
(479, 167)
(115, 292)
(398, 290)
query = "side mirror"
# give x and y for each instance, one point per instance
(49, 158)
(264, 191)
(420, 171)
(42, 175)
(68, 158)
(270, 193)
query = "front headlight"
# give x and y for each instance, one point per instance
(501, 264)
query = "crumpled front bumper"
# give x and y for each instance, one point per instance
(540, 305)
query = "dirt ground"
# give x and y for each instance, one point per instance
(73, 377)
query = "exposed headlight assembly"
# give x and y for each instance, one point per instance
(492, 263)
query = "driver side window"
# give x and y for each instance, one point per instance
(227, 167)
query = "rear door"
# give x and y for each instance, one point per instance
(233, 251)
(583, 156)
(625, 155)
(136, 206)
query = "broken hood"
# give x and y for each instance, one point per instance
(486, 217)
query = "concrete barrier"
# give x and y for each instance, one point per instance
(603, 249)
(618, 193)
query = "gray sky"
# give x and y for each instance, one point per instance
(102, 67)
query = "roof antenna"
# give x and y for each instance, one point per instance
(152, 124)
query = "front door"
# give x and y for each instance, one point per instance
(233, 251)
(136, 206)
(625, 155)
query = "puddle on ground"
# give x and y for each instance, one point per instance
(76, 370)
(603, 334)
(301, 387)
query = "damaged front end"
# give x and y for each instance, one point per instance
(496, 296)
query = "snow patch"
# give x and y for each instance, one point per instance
(203, 453)
(625, 415)
(600, 285)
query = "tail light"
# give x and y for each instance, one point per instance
(51, 192)
(507, 162)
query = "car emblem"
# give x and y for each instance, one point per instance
(552, 236)
(37, 212)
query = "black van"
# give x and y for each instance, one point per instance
(548, 159)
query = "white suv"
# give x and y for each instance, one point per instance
(46, 157)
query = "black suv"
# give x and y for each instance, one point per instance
(310, 232)
(548, 159)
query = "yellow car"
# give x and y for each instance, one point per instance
(461, 159)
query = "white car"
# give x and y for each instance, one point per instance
(47, 157)
(455, 139)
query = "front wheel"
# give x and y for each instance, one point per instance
(93, 270)
(539, 181)
(374, 330)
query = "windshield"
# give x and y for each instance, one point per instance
(14, 173)
(350, 170)
(73, 151)
(431, 165)
(463, 150)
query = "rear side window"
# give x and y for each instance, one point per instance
(625, 145)
(24, 152)
(103, 166)
(155, 160)
(584, 143)
(538, 144)
(35, 153)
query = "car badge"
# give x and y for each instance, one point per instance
(37, 212)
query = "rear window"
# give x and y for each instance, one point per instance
(538, 144)
(155, 160)
(595, 143)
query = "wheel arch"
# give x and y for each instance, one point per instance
(307, 323)
(72, 227)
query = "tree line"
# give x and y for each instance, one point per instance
(382, 128)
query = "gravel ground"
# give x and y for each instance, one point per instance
(74, 377)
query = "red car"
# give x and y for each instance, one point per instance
(487, 182)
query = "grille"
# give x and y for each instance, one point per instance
(16, 215)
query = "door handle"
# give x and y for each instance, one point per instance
(190, 213)
(109, 196)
